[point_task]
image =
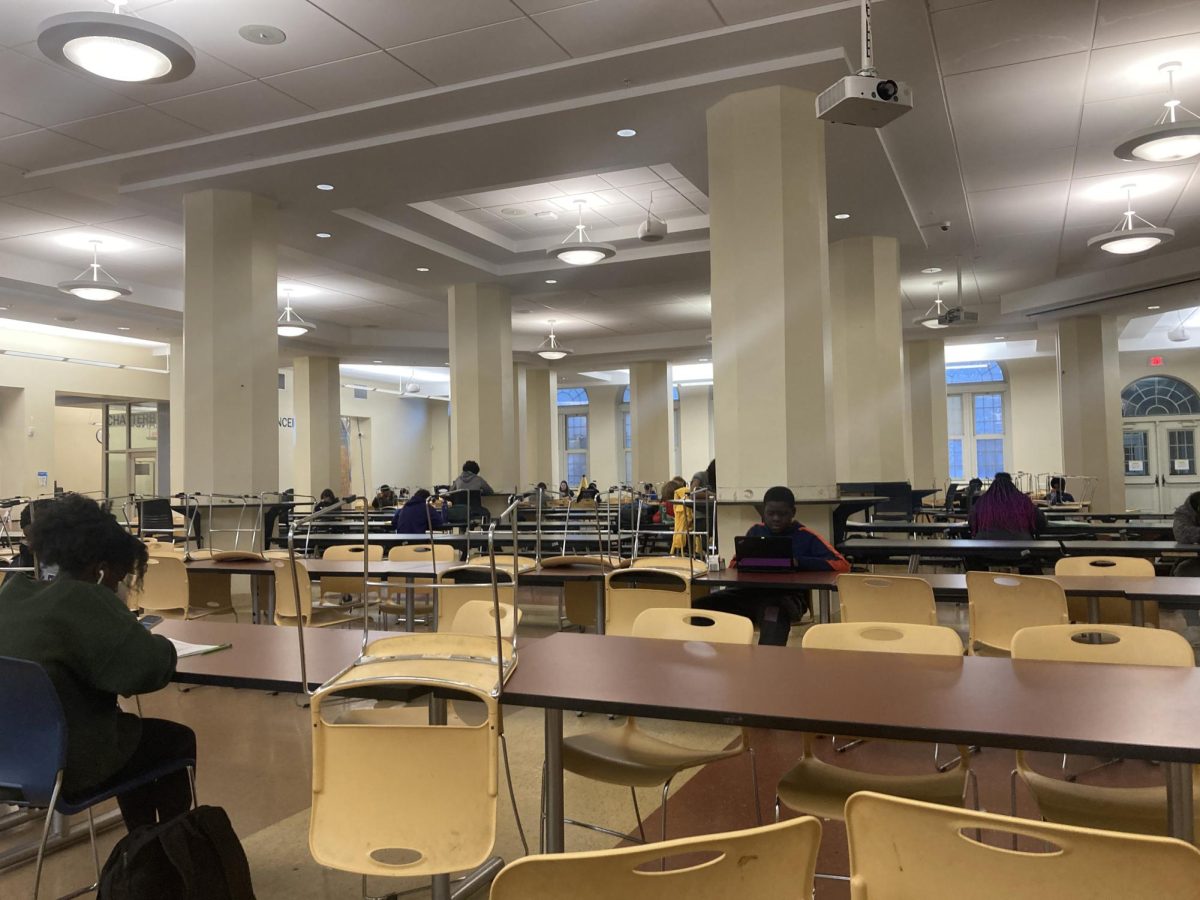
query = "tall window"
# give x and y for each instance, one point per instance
(976, 419)
(573, 433)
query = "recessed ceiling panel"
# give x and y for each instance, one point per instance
(231, 108)
(597, 26)
(390, 23)
(358, 79)
(131, 129)
(1127, 21)
(988, 35)
(481, 52)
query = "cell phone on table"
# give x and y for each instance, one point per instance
(148, 622)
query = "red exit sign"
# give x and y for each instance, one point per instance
(1156, 361)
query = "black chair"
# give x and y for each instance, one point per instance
(155, 519)
(467, 509)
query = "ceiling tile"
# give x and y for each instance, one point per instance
(531, 193)
(240, 106)
(1105, 125)
(313, 37)
(150, 228)
(1127, 21)
(10, 126)
(1130, 70)
(390, 23)
(1100, 201)
(57, 202)
(130, 129)
(582, 185)
(359, 79)
(43, 149)
(988, 172)
(1017, 210)
(210, 73)
(17, 220)
(36, 90)
(666, 172)
(529, 7)
(601, 25)
(737, 11)
(999, 34)
(19, 21)
(626, 177)
(480, 52)
(12, 180)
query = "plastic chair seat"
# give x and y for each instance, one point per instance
(320, 618)
(821, 789)
(627, 755)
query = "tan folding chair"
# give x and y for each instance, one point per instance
(165, 592)
(686, 563)
(287, 579)
(1000, 605)
(1113, 610)
(462, 584)
(626, 754)
(438, 553)
(629, 591)
(1137, 809)
(820, 788)
(772, 862)
(886, 598)
(342, 585)
(902, 849)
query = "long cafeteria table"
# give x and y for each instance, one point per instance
(872, 550)
(1150, 713)
(1060, 529)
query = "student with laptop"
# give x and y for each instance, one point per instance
(778, 544)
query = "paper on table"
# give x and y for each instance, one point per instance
(184, 649)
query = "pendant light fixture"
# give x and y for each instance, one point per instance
(550, 348)
(1173, 137)
(1179, 333)
(935, 316)
(94, 283)
(1127, 236)
(577, 250)
(290, 324)
(116, 46)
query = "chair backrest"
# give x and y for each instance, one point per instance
(905, 848)
(1128, 566)
(285, 598)
(884, 637)
(1128, 644)
(421, 553)
(629, 591)
(462, 584)
(33, 736)
(155, 516)
(677, 624)
(886, 598)
(479, 617)
(1000, 605)
(773, 862)
(506, 561)
(165, 586)
(686, 563)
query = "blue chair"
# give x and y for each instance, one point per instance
(33, 750)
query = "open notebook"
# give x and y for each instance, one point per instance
(184, 649)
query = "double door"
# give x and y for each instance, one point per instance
(1160, 463)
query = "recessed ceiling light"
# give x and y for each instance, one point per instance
(551, 281)
(66, 318)
(422, 268)
(324, 234)
(546, 214)
(704, 359)
(842, 216)
(626, 132)
(998, 337)
(122, 328)
(3, 309)
(116, 47)
(1153, 307)
(324, 187)
(931, 270)
(377, 361)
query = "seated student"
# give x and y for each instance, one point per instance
(771, 611)
(80, 630)
(591, 492)
(967, 498)
(327, 498)
(384, 499)
(1186, 525)
(471, 480)
(564, 490)
(1057, 493)
(418, 514)
(1004, 513)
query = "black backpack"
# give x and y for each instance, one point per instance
(195, 856)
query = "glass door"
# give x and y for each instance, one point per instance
(1141, 467)
(1177, 443)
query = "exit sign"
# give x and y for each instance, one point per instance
(1156, 361)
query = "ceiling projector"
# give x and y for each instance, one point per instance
(864, 99)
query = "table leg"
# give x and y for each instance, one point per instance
(1093, 610)
(914, 563)
(555, 840)
(409, 605)
(1180, 822)
(1137, 614)
(601, 610)
(255, 608)
(823, 615)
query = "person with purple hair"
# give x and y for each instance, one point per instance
(1004, 513)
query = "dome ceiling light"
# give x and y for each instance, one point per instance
(1129, 237)
(116, 46)
(577, 250)
(290, 324)
(935, 316)
(550, 348)
(94, 283)
(1172, 138)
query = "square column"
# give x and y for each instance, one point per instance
(1090, 389)
(317, 408)
(481, 382)
(651, 422)
(538, 427)
(770, 299)
(868, 373)
(230, 349)
(925, 368)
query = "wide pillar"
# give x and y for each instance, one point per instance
(651, 422)
(317, 408)
(770, 300)
(481, 382)
(538, 431)
(868, 370)
(230, 349)
(925, 371)
(1090, 388)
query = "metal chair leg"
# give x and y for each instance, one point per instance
(758, 817)
(777, 806)
(849, 745)
(1012, 801)
(512, 794)
(1104, 765)
(41, 854)
(665, 793)
(638, 813)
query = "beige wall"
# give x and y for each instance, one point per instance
(695, 430)
(78, 456)
(1183, 364)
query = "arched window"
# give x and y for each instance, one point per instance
(973, 372)
(572, 397)
(976, 419)
(1159, 395)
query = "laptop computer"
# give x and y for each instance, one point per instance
(767, 553)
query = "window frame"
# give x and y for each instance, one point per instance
(565, 453)
(965, 392)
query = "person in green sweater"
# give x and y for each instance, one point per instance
(78, 628)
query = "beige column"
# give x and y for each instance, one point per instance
(925, 370)
(868, 382)
(317, 407)
(481, 389)
(695, 429)
(606, 453)
(770, 299)
(652, 421)
(539, 451)
(230, 351)
(1090, 388)
(175, 363)
(520, 425)
(27, 439)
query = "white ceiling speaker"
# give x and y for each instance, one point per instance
(116, 47)
(1170, 139)
(89, 285)
(577, 250)
(654, 229)
(290, 324)
(550, 348)
(1129, 237)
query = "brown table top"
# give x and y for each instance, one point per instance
(319, 567)
(1128, 711)
(561, 574)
